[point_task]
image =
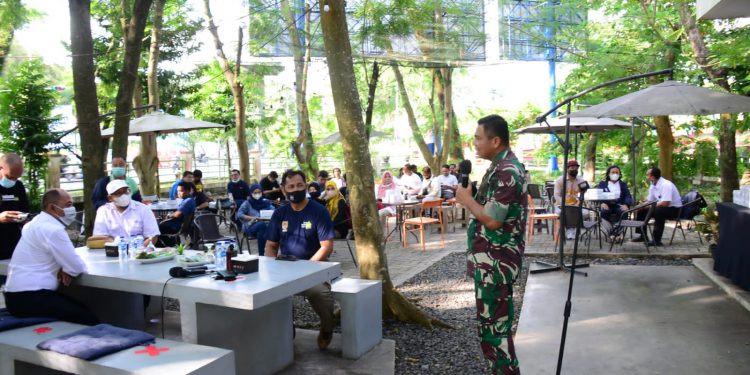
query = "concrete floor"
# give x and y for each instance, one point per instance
(633, 320)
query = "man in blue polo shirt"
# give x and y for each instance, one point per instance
(303, 229)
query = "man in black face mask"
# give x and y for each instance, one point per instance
(304, 229)
(571, 192)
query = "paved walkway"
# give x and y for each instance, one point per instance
(633, 320)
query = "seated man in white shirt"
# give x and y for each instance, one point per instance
(122, 216)
(410, 182)
(668, 203)
(448, 183)
(430, 186)
(44, 258)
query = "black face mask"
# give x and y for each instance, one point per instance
(314, 194)
(573, 173)
(296, 196)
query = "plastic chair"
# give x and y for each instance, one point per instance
(186, 230)
(421, 221)
(449, 206)
(207, 231)
(533, 216)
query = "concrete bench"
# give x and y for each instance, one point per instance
(361, 314)
(19, 355)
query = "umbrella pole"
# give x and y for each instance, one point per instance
(632, 157)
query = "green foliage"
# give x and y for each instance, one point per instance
(13, 15)
(25, 119)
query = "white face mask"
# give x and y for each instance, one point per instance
(257, 196)
(69, 215)
(122, 200)
(235, 180)
(614, 176)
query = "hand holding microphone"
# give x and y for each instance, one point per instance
(463, 193)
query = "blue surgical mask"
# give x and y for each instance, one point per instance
(118, 171)
(7, 183)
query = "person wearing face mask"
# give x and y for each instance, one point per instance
(571, 192)
(125, 217)
(303, 229)
(239, 189)
(119, 172)
(337, 208)
(611, 211)
(381, 191)
(43, 259)
(668, 203)
(314, 191)
(248, 214)
(13, 204)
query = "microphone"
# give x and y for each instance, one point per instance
(181, 272)
(464, 167)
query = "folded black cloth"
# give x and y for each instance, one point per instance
(8, 321)
(93, 342)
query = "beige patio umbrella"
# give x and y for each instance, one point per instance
(163, 123)
(577, 125)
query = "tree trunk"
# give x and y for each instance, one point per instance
(457, 145)
(416, 133)
(303, 146)
(133, 33)
(666, 145)
(372, 85)
(146, 164)
(446, 81)
(233, 79)
(86, 102)
(368, 233)
(589, 164)
(720, 76)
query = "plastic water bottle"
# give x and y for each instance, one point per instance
(122, 248)
(221, 255)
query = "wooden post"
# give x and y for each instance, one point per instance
(53, 171)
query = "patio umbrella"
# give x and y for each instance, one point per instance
(163, 123)
(336, 137)
(669, 98)
(577, 125)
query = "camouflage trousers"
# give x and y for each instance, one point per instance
(495, 316)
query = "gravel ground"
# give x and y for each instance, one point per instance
(443, 292)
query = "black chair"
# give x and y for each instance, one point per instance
(623, 224)
(207, 231)
(186, 230)
(346, 239)
(693, 209)
(574, 219)
(550, 189)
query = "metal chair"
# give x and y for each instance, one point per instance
(700, 203)
(574, 219)
(423, 220)
(624, 223)
(207, 231)
(186, 230)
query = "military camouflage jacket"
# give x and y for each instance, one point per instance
(495, 255)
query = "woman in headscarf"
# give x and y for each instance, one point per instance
(314, 190)
(249, 213)
(338, 208)
(386, 184)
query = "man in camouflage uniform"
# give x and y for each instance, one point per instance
(496, 240)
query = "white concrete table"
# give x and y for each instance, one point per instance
(252, 315)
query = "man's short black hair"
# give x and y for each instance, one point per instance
(495, 126)
(235, 170)
(51, 196)
(323, 174)
(188, 186)
(656, 172)
(291, 173)
(187, 173)
(197, 173)
(274, 174)
(446, 166)
(427, 169)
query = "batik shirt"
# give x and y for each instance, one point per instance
(495, 255)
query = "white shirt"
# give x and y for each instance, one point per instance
(433, 187)
(614, 187)
(339, 182)
(136, 220)
(412, 183)
(43, 250)
(449, 180)
(663, 191)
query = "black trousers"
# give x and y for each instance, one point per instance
(50, 304)
(661, 214)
